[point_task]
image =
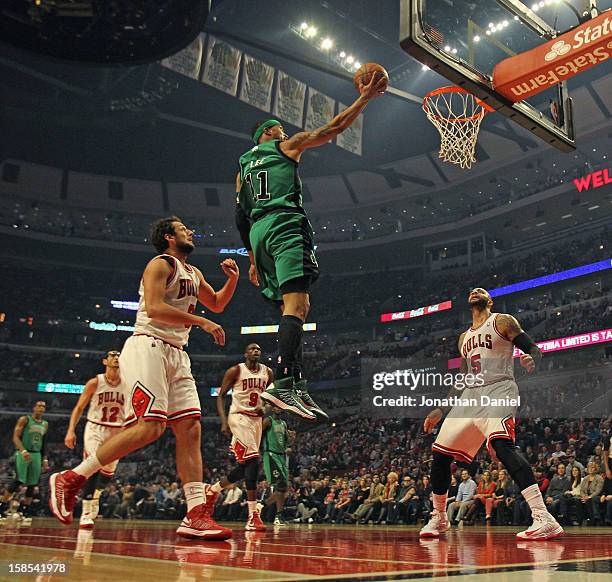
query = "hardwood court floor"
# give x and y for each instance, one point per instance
(150, 550)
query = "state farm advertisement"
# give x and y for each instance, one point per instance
(399, 315)
(533, 71)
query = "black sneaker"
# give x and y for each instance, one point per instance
(282, 395)
(302, 394)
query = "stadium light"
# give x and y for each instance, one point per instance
(476, 38)
(303, 26)
(357, 65)
(350, 59)
(311, 32)
(342, 54)
(327, 43)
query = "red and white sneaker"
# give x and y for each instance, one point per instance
(544, 527)
(254, 523)
(199, 524)
(437, 525)
(63, 489)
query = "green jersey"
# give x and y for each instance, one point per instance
(269, 181)
(33, 434)
(275, 438)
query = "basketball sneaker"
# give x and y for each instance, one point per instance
(437, 525)
(281, 394)
(254, 523)
(199, 524)
(63, 489)
(544, 527)
(87, 519)
(302, 394)
(279, 521)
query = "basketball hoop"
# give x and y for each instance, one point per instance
(457, 115)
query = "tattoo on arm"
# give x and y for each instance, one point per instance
(508, 326)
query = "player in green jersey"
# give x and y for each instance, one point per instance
(279, 238)
(30, 460)
(276, 436)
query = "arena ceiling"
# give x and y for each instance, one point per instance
(150, 122)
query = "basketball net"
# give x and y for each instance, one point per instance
(457, 115)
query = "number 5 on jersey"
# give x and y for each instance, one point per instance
(259, 191)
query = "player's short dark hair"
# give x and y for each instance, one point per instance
(161, 228)
(256, 127)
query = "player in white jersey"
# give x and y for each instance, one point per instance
(247, 381)
(487, 351)
(157, 375)
(106, 398)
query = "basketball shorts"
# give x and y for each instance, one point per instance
(28, 472)
(94, 436)
(246, 435)
(466, 428)
(283, 248)
(275, 468)
(158, 380)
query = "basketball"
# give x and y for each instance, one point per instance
(365, 72)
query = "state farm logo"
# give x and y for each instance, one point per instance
(558, 49)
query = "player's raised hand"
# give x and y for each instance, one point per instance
(230, 268)
(253, 275)
(375, 88)
(215, 330)
(431, 420)
(527, 363)
(70, 439)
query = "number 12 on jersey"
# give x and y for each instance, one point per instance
(260, 190)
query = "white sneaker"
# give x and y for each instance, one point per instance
(437, 525)
(544, 527)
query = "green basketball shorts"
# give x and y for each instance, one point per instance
(283, 248)
(28, 473)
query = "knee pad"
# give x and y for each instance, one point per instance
(440, 473)
(251, 470)
(237, 473)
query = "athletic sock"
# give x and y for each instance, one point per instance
(216, 488)
(86, 508)
(289, 339)
(252, 506)
(298, 362)
(89, 466)
(194, 494)
(439, 502)
(534, 498)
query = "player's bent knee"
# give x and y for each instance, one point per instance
(152, 429)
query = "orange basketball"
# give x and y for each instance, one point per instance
(365, 72)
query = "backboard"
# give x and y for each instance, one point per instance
(463, 40)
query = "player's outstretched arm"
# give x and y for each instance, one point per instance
(511, 329)
(295, 145)
(229, 379)
(217, 301)
(77, 411)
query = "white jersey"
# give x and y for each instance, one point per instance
(106, 405)
(182, 289)
(488, 352)
(246, 390)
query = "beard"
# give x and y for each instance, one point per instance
(480, 303)
(186, 248)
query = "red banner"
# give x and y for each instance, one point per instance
(399, 315)
(531, 72)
